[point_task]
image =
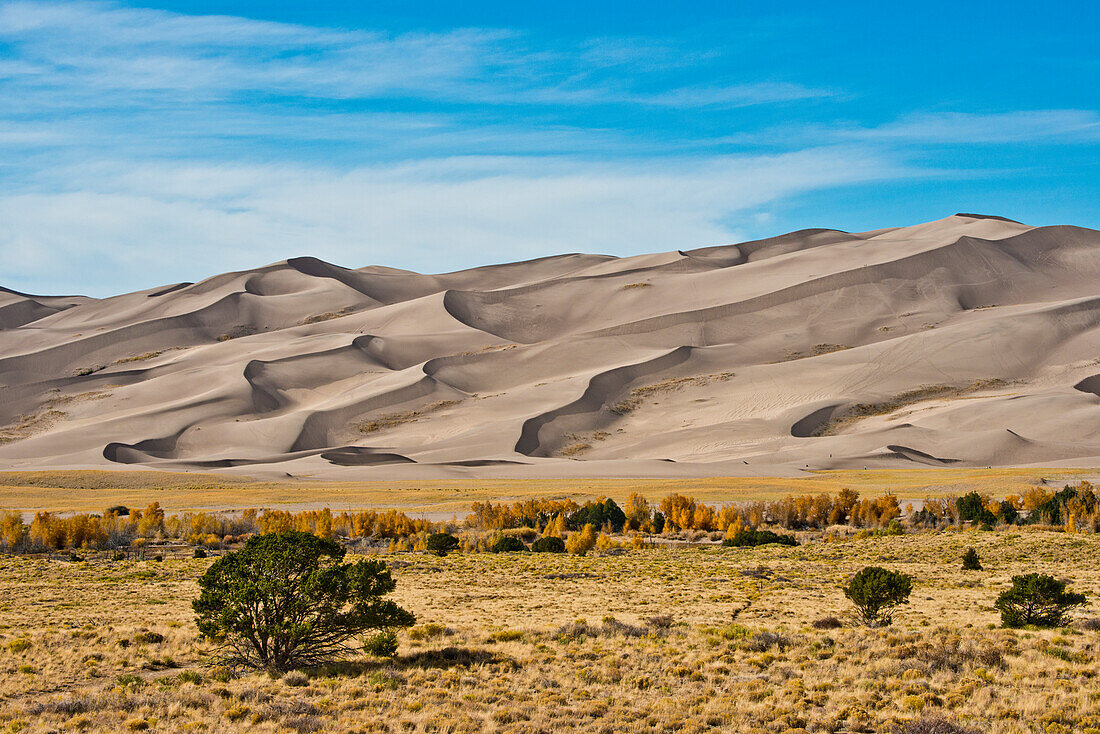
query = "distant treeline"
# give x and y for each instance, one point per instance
(1074, 508)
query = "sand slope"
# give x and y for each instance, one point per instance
(968, 341)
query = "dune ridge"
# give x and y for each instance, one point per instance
(969, 341)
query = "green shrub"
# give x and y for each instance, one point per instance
(1038, 600)
(877, 592)
(190, 676)
(971, 562)
(548, 545)
(507, 544)
(441, 543)
(381, 644)
(747, 538)
(286, 600)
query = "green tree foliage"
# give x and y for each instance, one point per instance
(747, 537)
(507, 544)
(441, 543)
(877, 592)
(286, 600)
(1038, 600)
(1007, 512)
(972, 508)
(971, 562)
(598, 514)
(548, 545)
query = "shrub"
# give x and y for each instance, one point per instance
(507, 544)
(286, 600)
(1038, 600)
(548, 545)
(381, 644)
(746, 538)
(827, 623)
(581, 542)
(441, 543)
(971, 562)
(296, 679)
(935, 725)
(877, 592)
(199, 553)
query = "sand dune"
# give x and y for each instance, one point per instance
(968, 341)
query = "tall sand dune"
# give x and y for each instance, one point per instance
(968, 341)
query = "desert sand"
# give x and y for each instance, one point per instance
(971, 341)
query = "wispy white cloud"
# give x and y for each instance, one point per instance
(103, 48)
(944, 128)
(1000, 127)
(134, 227)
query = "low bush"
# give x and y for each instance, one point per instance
(935, 725)
(441, 544)
(954, 654)
(827, 623)
(381, 644)
(507, 544)
(548, 545)
(750, 538)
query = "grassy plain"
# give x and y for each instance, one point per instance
(91, 491)
(703, 638)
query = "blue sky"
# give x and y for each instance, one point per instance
(143, 144)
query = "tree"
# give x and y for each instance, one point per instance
(877, 592)
(507, 544)
(971, 562)
(286, 600)
(598, 514)
(581, 541)
(441, 543)
(1036, 599)
(548, 544)
(971, 507)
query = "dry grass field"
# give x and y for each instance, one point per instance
(673, 639)
(91, 491)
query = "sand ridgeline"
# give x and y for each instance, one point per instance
(968, 341)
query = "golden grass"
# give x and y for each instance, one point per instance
(92, 491)
(497, 646)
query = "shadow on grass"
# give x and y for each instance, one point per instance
(447, 657)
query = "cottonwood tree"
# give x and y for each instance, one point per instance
(287, 600)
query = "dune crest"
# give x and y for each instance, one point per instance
(969, 341)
